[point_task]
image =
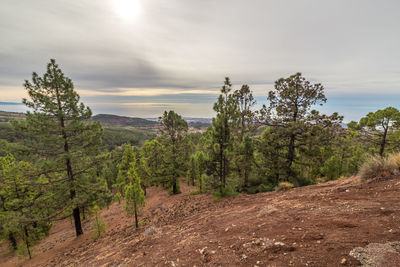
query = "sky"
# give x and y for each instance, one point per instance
(141, 57)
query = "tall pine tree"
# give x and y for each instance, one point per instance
(173, 130)
(60, 133)
(222, 136)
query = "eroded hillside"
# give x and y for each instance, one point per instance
(310, 226)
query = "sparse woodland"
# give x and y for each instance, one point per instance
(53, 164)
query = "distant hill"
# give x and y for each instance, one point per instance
(115, 120)
(6, 116)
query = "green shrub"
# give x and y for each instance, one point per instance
(171, 189)
(332, 168)
(265, 188)
(227, 191)
(251, 190)
(194, 192)
(255, 181)
(99, 226)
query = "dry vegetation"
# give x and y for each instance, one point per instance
(376, 167)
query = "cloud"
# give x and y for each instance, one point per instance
(186, 48)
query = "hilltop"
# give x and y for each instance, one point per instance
(6, 116)
(316, 225)
(117, 130)
(115, 120)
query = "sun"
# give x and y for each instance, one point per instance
(127, 9)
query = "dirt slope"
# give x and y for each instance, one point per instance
(310, 226)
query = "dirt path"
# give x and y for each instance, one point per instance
(310, 226)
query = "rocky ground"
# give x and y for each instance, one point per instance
(317, 225)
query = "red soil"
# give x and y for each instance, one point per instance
(310, 226)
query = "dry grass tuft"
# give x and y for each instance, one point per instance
(378, 167)
(283, 186)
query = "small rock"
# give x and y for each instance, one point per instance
(343, 261)
(203, 250)
(244, 256)
(151, 231)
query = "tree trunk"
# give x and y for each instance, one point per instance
(144, 189)
(246, 178)
(26, 234)
(383, 142)
(136, 217)
(221, 163)
(174, 187)
(225, 171)
(12, 240)
(77, 220)
(291, 152)
(76, 213)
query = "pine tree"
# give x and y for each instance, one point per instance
(128, 157)
(173, 130)
(134, 194)
(245, 158)
(23, 204)
(153, 162)
(222, 136)
(289, 106)
(64, 140)
(244, 128)
(246, 116)
(380, 125)
(99, 226)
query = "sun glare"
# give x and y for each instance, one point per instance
(127, 9)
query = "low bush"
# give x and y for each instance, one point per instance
(227, 191)
(194, 192)
(394, 161)
(332, 168)
(377, 167)
(265, 188)
(99, 226)
(251, 190)
(283, 186)
(171, 189)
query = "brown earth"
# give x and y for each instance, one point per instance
(310, 226)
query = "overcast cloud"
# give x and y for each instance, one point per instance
(175, 54)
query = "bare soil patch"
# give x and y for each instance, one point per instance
(310, 226)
